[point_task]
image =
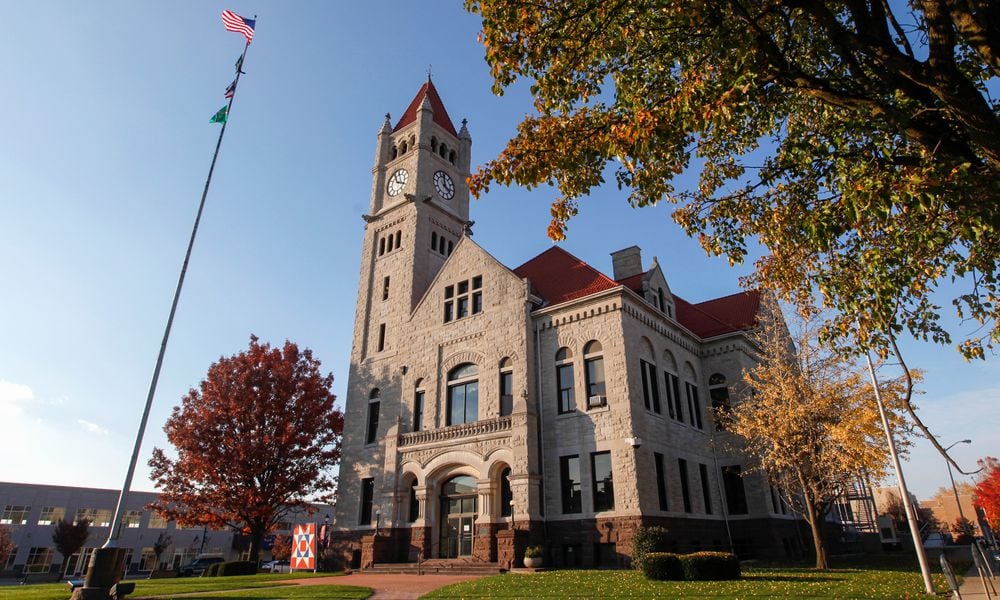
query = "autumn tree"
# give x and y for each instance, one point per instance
(808, 420)
(988, 490)
(7, 546)
(163, 541)
(69, 537)
(282, 548)
(254, 441)
(855, 140)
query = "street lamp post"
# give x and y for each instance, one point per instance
(954, 488)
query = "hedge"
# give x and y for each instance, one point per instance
(662, 566)
(710, 566)
(646, 540)
(237, 567)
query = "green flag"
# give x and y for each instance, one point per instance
(221, 116)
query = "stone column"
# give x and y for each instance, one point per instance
(421, 536)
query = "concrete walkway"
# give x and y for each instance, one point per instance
(390, 587)
(972, 586)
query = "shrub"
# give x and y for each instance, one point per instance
(237, 567)
(710, 566)
(212, 570)
(646, 540)
(662, 566)
(533, 552)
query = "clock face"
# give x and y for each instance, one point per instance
(444, 185)
(397, 182)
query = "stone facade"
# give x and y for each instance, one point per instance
(439, 322)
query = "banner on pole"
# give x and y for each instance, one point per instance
(304, 547)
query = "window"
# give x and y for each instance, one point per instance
(506, 387)
(718, 391)
(388, 244)
(463, 394)
(564, 380)
(147, 560)
(601, 480)
(650, 389)
(706, 492)
(694, 406)
(132, 518)
(663, 301)
(98, 517)
(418, 410)
(468, 297)
(414, 513)
(374, 406)
(569, 473)
(441, 244)
(774, 500)
(367, 496)
(506, 496)
(593, 368)
(736, 497)
(14, 514)
(156, 521)
(51, 514)
(381, 246)
(385, 288)
(673, 396)
(399, 239)
(381, 337)
(682, 466)
(39, 560)
(661, 481)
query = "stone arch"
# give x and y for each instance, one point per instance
(646, 349)
(464, 356)
(453, 462)
(689, 372)
(669, 362)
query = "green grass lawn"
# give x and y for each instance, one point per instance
(266, 584)
(876, 577)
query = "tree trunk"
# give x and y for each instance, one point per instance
(816, 526)
(256, 536)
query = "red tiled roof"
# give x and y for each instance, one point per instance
(633, 283)
(440, 114)
(558, 276)
(736, 312)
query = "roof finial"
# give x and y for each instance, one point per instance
(428, 73)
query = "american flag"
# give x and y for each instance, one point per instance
(234, 22)
(231, 89)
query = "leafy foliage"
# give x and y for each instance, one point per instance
(857, 144)
(646, 540)
(808, 419)
(163, 541)
(710, 566)
(988, 490)
(282, 548)
(69, 537)
(662, 566)
(257, 438)
(534, 552)
(6, 544)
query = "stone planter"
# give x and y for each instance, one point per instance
(533, 563)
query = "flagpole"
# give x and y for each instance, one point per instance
(115, 529)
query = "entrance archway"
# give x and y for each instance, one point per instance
(458, 516)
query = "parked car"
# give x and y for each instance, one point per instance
(275, 566)
(197, 567)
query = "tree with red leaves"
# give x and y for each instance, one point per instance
(988, 490)
(257, 439)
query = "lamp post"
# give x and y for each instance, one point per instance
(954, 488)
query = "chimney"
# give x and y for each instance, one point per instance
(627, 262)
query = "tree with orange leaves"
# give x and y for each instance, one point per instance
(254, 441)
(988, 490)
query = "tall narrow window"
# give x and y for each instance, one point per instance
(593, 368)
(650, 389)
(564, 380)
(451, 246)
(601, 479)
(418, 410)
(414, 512)
(381, 337)
(569, 474)
(441, 243)
(661, 481)
(663, 302)
(682, 467)
(399, 238)
(694, 405)
(673, 395)
(506, 496)
(388, 243)
(706, 492)
(718, 391)
(367, 497)
(434, 240)
(477, 292)
(463, 394)
(371, 433)
(449, 303)
(506, 387)
(462, 305)
(385, 288)
(736, 497)
(381, 246)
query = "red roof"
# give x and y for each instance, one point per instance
(558, 276)
(736, 312)
(440, 114)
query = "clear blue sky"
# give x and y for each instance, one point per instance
(106, 143)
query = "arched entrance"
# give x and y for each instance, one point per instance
(458, 516)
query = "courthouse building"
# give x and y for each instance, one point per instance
(490, 407)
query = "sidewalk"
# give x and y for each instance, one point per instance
(972, 586)
(390, 587)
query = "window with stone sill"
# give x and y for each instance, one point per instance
(463, 299)
(506, 387)
(564, 381)
(593, 369)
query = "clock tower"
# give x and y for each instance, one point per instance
(419, 210)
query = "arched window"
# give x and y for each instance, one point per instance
(593, 369)
(413, 141)
(564, 381)
(399, 237)
(371, 432)
(693, 401)
(434, 240)
(395, 152)
(673, 386)
(506, 387)
(463, 394)
(441, 243)
(451, 246)
(388, 244)
(451, 157)
(414, 512)
(381, 246)
(506, 496)
(418, 405)
(718, 391)
(434, 144)
(443, 151)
